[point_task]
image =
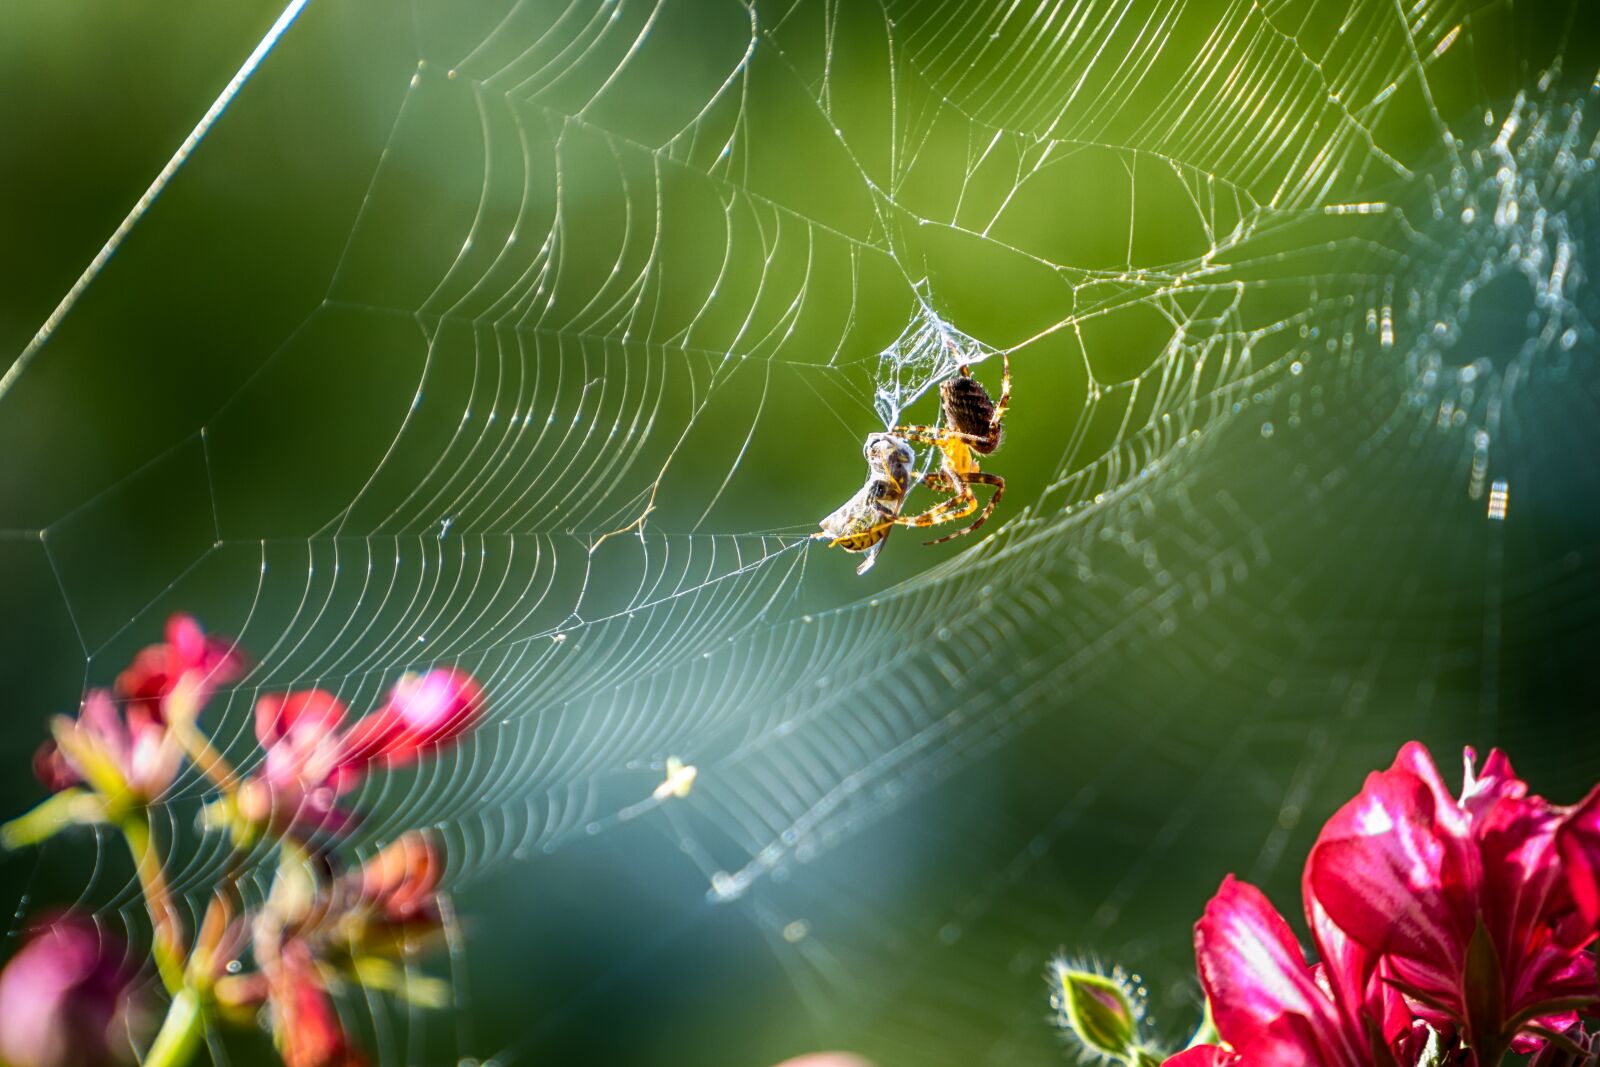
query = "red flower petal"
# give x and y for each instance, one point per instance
(305, 1021)
(157, 669)
(306, 711)
(1579, 842)
(1392, 868)
(402, 879)
(1253, 970)
(422, 712)
(52, 768)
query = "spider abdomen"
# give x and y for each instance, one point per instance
(968, 410)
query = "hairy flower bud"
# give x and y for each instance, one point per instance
(1101, 1011)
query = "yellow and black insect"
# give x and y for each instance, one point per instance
(972, 427)
(863, 522)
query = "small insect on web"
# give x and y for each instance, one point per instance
(679, 780)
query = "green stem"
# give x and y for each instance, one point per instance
(1206, 1034)
(202, 753)
(168, 936)
(70, 807)
(182, 1032)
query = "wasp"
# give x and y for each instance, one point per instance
(863, 522)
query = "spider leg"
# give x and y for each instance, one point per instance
(952, 510)
(1005, 394)
(936, 435)
(922, 435)
(961, 504)
(986, 478)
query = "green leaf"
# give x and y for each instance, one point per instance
(1485, 1000)
(1433, 1052)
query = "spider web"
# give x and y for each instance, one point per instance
(565, 326)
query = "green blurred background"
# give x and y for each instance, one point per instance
(455, 289)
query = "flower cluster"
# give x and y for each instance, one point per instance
(131, 752)
(69, 995)
(1448, 930)
(320, 929)
(312, 759)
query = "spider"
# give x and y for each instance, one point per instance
(862, 523)
(972, 428)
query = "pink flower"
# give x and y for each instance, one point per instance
(1272, 1008)
(1467, 902)
(64, 998)
(187, 654)
(422, 712)
(300, 733)
(115, 755)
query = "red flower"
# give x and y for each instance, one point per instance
(1578, 840)
(111, 748)
(64, 998)
(52, 768)
(400, 884)
(1272, 1008)
(423, 711)
(305, 1023)
(307, 766)
(317, 928)
(1467, 902)
(113, 754)
(187, 654)
(312, 760)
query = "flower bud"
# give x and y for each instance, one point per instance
(1101, 1011)
(402, 880)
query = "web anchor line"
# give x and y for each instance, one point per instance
(148, 198)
